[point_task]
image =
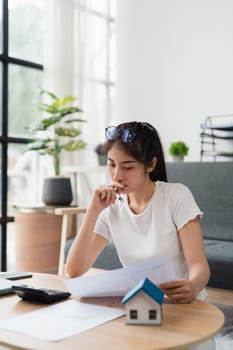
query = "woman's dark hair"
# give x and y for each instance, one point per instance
(145, 146)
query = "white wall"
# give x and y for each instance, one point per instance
(174, 65)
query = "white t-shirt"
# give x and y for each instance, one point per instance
(153, 233)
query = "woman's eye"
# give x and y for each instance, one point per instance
(128, 168)
(124, 168)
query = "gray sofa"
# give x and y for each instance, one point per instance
(212, 186)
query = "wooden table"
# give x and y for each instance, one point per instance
(183, 325)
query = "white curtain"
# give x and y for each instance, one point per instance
(69, 62)
(59, 46)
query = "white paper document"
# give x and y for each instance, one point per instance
(61, 320)
(117, 282)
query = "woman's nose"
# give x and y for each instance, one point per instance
(117, 174)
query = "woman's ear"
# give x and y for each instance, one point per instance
(151, 165)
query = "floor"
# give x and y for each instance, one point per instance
(221, 296)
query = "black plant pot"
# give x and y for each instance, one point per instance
(57, 191)
(102, 159)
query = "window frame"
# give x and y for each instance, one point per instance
(107, 83)
(5, 140)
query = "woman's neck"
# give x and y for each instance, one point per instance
(138, 201)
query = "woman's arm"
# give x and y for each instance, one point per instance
(193, 248)
(88, 245)
(85, 248)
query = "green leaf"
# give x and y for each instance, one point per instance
(51, 94)
(61, 102)
(74, 145)
(45, 123)
(36, 147)
(69, 132)
(75, 120)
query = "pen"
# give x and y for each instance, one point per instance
(118, 195)
(120, 198)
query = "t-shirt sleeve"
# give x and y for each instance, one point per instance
(184, 206)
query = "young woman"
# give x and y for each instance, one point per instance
(143, 214)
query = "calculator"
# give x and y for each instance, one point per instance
(41, 295)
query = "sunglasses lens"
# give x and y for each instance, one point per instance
(128, 135)
(111, 132)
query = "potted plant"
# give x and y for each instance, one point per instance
(178, 150)
(102, 157)
(55, 133)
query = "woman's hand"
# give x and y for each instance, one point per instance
(104, 196)
(179, 291)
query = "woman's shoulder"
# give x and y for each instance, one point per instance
(172, 189)
(171, 186)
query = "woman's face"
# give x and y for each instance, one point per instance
(126, 170)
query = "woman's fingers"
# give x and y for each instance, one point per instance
(117, 187)
(107, 193)
(178, 291)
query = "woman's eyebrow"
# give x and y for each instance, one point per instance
(128, 162)
(124, 161)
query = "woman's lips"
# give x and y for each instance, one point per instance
(122, 189)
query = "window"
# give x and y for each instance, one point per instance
(21, 75)
(98, 67)
(133, 314)
(152, 314)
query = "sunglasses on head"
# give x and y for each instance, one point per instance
(127, 135)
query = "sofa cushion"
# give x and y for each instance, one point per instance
(108, 259)
(212, 186)
(220, 258)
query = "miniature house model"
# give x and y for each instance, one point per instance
(144, 304)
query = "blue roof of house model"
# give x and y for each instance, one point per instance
(148, 287)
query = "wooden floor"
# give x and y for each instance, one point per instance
(221, 296)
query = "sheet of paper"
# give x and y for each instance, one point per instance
(117, 282)
(61, 320)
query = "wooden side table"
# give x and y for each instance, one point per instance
(38, 236)
(184, 325)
